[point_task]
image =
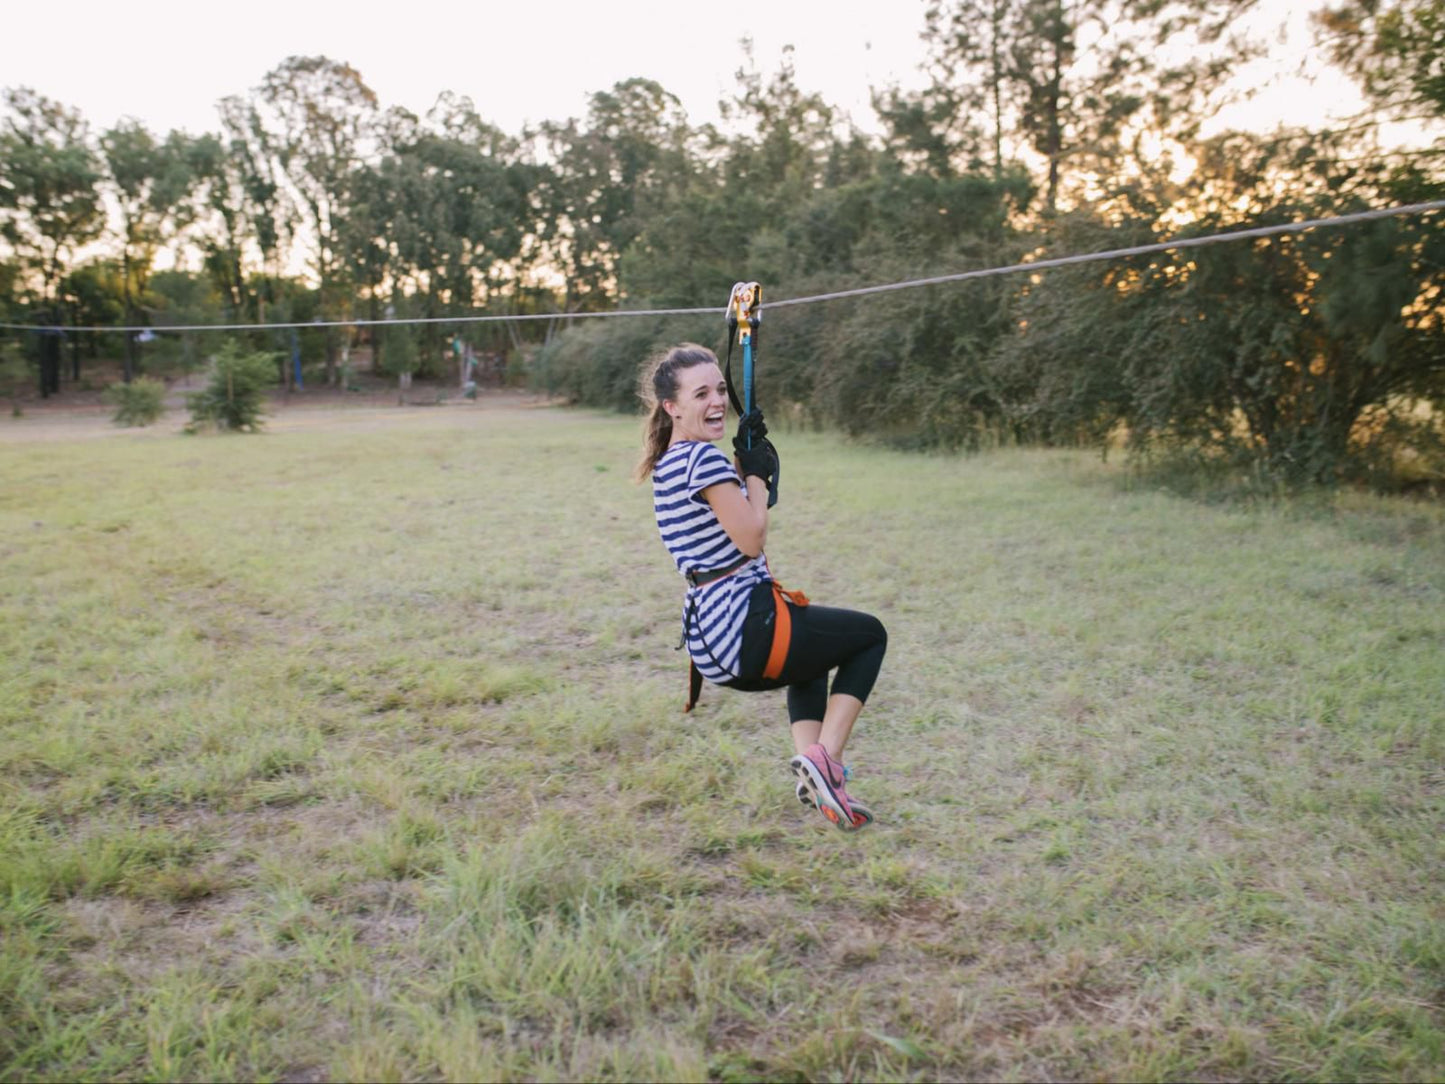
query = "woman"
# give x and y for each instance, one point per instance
(712, 513)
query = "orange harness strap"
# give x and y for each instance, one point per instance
(782, 629)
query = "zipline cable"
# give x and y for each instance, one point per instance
(390, 322)
(862, 291)
(1116, 253)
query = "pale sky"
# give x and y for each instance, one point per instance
(167, 63)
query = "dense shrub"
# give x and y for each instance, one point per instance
(139, 403)
(234, 397)
(597, 362)
(908, 367)
(14, 373)
(1308, 358)
(1298, 360)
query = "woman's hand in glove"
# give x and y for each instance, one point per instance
(759, 461)
(751, 430)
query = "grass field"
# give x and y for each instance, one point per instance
(354, 751)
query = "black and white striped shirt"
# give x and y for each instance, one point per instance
(692, 534)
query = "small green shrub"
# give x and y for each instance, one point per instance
(14, 373)
(139, 403)
(401, 352)
(235, 396)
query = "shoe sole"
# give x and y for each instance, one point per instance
(805, 796)
(821, 795)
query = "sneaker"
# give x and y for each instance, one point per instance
(821, 783)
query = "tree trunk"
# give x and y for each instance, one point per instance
(332, 348)
(997, 77)
(1054, 137)
(74, 346)
(333, 335)
(129, 372)
(238, 285)
(288, 378)
(1051, 151)
(377, 332)
(50, 358)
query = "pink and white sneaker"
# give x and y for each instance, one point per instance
(821, 782)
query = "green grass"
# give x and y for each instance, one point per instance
(354, 751)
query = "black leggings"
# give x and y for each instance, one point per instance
(823, 637)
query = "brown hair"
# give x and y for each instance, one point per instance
(657, 385)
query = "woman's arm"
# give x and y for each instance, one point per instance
(745, 519)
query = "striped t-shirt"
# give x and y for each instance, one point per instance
(692, 534)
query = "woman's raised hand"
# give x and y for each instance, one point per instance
(751, 429)
(756, 456)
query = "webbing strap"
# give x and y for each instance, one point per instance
(782, 629)
(728, 375)
(694, 685)
(748, 380)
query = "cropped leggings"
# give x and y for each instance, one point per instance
(824, 638)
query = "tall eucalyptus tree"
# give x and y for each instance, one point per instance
(150, 182)
(320, 117)
(245, 190)
(604, 171)
(456, 210)
(49, 201)
(1090, 89)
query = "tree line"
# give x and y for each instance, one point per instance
(1045, 127)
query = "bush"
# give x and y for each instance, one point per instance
(234, 398)
(138, 403)
(597, 363)
(14, 373)
(1288, 363)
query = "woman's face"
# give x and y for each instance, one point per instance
(701, 405)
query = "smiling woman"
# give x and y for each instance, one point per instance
(741, 629)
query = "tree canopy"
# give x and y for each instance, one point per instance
(1045, 127)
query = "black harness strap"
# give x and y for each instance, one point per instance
(694, 685)
(696, 577)
(694, 675)
(728, 364)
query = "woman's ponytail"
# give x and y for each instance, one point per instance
(656, 436)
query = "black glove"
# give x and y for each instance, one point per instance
(759, 461)
(751, 429)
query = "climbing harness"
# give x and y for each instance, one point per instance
(782, 625)
(744, 317)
